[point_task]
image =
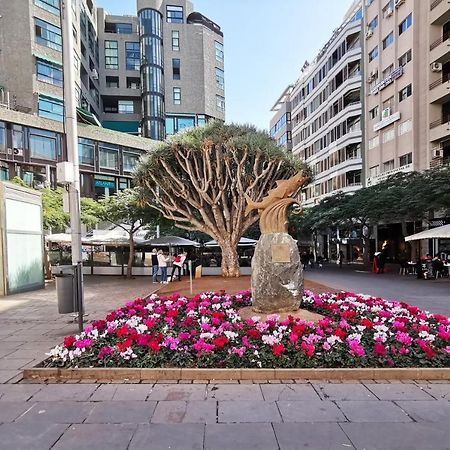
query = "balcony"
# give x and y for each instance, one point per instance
(440, 49)
(439, 12)
(440, 129)
(440, 90)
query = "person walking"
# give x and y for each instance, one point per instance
(155, 265)
(340, 258)
(162, 263)
(177, 266)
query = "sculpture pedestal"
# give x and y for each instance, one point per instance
(277, 274)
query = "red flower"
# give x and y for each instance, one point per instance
(298, 329)
(172, 313)
(122, 346)
(379, 349)
(340, 333)
(366, 322)
(309, 349)
(220, 341)
(100, 325)
(278, 349)
(122, 331)
(153, 345)
(253, 333)
(69, 341)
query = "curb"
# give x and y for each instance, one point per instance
(236, 374)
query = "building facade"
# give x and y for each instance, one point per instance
(152, 74)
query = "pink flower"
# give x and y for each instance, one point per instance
(104, 352)
(446, 349)
(326, 346)
(238, 351)
(356, 348)
(83, 343)
(403, 351)
(379, 349)
(309, 349)
(403, 338)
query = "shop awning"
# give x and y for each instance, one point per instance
(433, 233)
(122, 126)
(46, 58)
(84, 116)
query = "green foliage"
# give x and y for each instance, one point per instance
(91, 211)
(55, 218)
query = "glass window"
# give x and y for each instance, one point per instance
(406, 159)
(112, 82)
(104, 186)
(388, 165)
(133, 83)
(373, 23)
(220, 103)
(185, 122)
(130, 161)
(133, 57)
(174, 14)
(177, 96)
(219, 52)
(388, 9)
(109, 156)
(126, 106)
(175, 40)
(124, 183)
(86, 149)
(373, 113)
(388, 135)
(170, 125)
(49, 72)
(405, 24)
(176, 69)
(2, 137)
(47, 34)
(49, 5)
(124, 28)
(17, 137)
(44, 144)
(220, 79)
(405, 93)
(388, 40)
(374, 171)
(111, 55)
(405, 127)
(405, 58)
(201, 120)
(51, 108)
(4, 173)
(373, 54)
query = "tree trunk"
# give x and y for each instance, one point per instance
(230, 260)
(47, 266)
(130, 257)
(365, 243)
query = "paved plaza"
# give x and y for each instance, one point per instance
(197, 414)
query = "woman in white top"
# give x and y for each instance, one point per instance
(162, 263)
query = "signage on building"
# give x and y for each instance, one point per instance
(387, 121)
(397, 73)
(371, 181)
(105, 182)
(434, 223)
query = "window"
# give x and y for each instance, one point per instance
(176, 41)
(388, 105)
(112, 82)
(47, 34)
(177, 96)
(405, 58)
(133, 59)
(388, 136)
(374, 142)
(373, 113)
(373, 54)
(86, 149)
(405, 93)
(44, 144)
(2, 137)
(388, 71)
(133, 83)
(17, 136)
(405, 127)
(369, 2)
(51, 108)
(388, 8)
(109, 156)
(373, 23)
(49, 5)
(405, 159)
(220, 79)
(124, 28)
(126, 107)
(405, 24)
(4, 173)
(219, 52)
(130, 161)
(49, 72)
(374, 171)
(388, 165)
(388, 40)
(111, 55)
(174, 14)
(176, 69)
(220, 103)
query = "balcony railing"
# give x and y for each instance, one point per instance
(441, 121)
(444, 79)
(439, 41)
(434, 4)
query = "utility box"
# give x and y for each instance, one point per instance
(21, 239)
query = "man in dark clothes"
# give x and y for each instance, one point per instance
(155, 265)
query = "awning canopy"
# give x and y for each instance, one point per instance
(85, 116)
(433, 233)
(171, 241)
(243, 242)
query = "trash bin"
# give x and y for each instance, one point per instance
(65, 289)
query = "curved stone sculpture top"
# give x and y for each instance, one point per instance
(274, 206)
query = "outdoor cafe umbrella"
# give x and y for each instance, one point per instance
(171, 241)
(243, 242)
(433, 233)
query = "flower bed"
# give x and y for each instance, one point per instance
(207, 331)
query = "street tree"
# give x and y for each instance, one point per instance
(200, 179)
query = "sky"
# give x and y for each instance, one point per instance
(266, 44)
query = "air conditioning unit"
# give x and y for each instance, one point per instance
(436, 67)
(437, 152)
(94, 74)
(399, 2)
(372, 76)
(389, 12)
(369, 33)
(386, 113)
(17, 152)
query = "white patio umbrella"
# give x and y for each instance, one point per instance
(433, 233)
(243, 242)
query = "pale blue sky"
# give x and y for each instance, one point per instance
(266, 44)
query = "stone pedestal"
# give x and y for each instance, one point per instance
(277, 274)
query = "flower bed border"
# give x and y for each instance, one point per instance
(137, 375)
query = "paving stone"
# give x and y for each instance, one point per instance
(399, 392)
(132, 392)
(370, 411)
(240, 436)
(427, 411)
(9, 411)
(232, 392)
(248, 411)
(18, 392)
(344, 391)
(103, 393)
(56, 412)
(438, 391)
(184, 392)
(26, 354)
(398, 436)
(194, 411)
(29, 436)
(310, 411)
(133, 411)
(6, 375)
(274, 392)
(14, 364)
(61, 392)
(96, 436)
(184, 436)
(315, 436)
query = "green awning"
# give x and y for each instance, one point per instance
(46, 58)
(85, 116)
(123, 127)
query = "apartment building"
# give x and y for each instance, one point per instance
(152, 74)
(319, 116)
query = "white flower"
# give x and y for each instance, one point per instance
(231, 335)
(206, 336)
(270, 340)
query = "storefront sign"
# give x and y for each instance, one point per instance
(434, 223)
(383, 176)
(387, 121)
(105, 183)
(397, 73)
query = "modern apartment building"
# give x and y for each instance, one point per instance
(319, 116)
(152, 74)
